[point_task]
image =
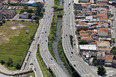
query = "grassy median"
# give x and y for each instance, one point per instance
(58, 10)
(63, 58)
(45, 71)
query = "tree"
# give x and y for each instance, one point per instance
(114, 50)
(18, 66)
(113, 39)
(36, 17)
(83, 42)
(3, 21)
(30, 11)
(30, 16)
(22, 11)
(25, 7)
(2, 62)
(37, 21)
(101, 70)
(94, 61)
(10, 62)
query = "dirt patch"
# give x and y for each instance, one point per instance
(13, 28)
(9, 30)
(21, 25)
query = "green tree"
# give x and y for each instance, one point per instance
(22, 11)
(36, 17)
(94, 61)
(101, 70)
(2, 61)
(25, 7)
(30, 11)
(37, 21)
(83, 42)
(10, 62)
(18, 66)
(29, 16)
(3, 21)
(114, 50)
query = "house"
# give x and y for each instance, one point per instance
(8, 14)
(88, 35)
(24, 15)
(34, 2)
(106, 50)
(103, 32)
(86, 54)
(100, 57)
(1, 6)
(102, 17)
(1, 17)
(102, 24)
(103, 44)
(84, 1)
(14, 2)
(101, 10)
(88, 47)
(108, 59)
(102, 1)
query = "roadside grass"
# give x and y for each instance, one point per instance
(53, 29)
(45, 71)
(63, 58)
(18, 45)
(32, 74)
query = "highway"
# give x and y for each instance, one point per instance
(77, 63)
(45, 54)
(31, 55)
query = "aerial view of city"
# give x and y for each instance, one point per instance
(57, 38)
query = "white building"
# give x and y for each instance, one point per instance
(31, 2)
(87, 47)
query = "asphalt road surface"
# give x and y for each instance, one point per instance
(79, 65)
(45, 54)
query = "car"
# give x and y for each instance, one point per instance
(29, 54)
(51, 59)
(35, 69)
(71, 52)
(31, 63)
(69, 3)
(71, 56)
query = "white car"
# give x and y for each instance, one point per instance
(69, 3)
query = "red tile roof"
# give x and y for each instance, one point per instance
(103, 30)
(109, 57)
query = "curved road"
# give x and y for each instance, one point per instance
(77, 63)
(45, 54)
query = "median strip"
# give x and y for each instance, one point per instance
(58, 10)
(45, 71)
(63, 58)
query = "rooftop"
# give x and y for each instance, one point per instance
(88, 47)
(103, 30)
(109, 57)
